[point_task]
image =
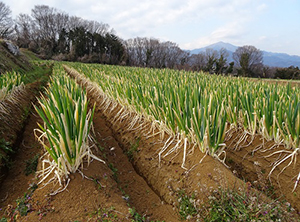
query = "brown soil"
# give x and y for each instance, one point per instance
(253, 161)
(12, 123)
(84, 199)
(169, 177)
(293, 83)
(132, 177)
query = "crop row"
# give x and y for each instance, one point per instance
(204, 107)
(64, 133)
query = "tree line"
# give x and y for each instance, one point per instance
(54, 34)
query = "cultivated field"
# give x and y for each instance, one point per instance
(114, 143)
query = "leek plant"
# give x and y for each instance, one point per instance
(65, 129)
(188, 110)
(171, 96)
(203, 108)
(11, 88)
(8, 82)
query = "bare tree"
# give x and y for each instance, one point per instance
(6, 21)
(24, 30)
(48, 24)
(197, 61)
(140, 50)
(61, 20)
(75, 22)
(249, 60)
(150, 52)
(97, 27)
(43, 16)
(174, 56)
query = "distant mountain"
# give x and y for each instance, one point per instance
(280, 59)
(216, 46)
(269, 58)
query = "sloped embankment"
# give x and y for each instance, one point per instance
(13, 119)
(11, 58)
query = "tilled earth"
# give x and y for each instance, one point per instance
(132, 183)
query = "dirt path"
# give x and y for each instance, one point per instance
(16, 183)
(133, 187)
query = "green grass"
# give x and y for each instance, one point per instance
(31, 165)
(246, 205)
(23, 207)
(10, 62)
(115, 172)
(38, 73)
(186, 207)
(237, 204)
(30, 55)
(105, 215)
(133, 148)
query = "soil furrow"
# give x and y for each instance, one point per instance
(111, 192)
(134, 188)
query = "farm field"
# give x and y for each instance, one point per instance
(133, 144)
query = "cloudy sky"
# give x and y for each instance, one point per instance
(271, 25)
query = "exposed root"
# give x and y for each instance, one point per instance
(4, 199)
(296, 183)
(165, 147)
(242, 140)
(230, 132)
(292, 155)
(184, 154)
(251, 141)
(222, 160)
(88, 178)
(62, 189)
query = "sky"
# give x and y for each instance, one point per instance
(269, 25)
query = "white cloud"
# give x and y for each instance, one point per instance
(262, 7)
(230, 32)
(190, 23)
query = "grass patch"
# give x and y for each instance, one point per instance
(245, 205)
(133, 148)
(115, 172)
(5, 146)
(22, 207)
(31, 165)
(5, 152)
(105, 215)
(8, 61)
(30, 55)
(186, 208)
(38, 73)
(136, 217)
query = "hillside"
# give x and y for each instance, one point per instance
(269, 58)
(17, 60)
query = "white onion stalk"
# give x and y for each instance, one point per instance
(65, 132)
